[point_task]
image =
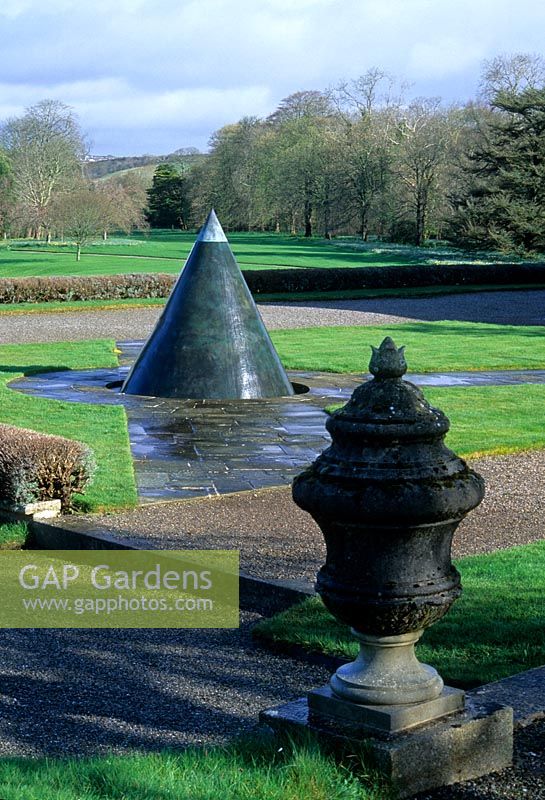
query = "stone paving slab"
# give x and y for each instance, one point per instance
(524, 692)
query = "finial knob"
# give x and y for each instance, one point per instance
(387, 360)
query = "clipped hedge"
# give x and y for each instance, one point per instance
(411, 275)
(272, 281)
(36, 466)
(97, 287)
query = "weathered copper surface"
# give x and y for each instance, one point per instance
(388, 496)
(210, 341)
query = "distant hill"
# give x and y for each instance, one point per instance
(106, 165)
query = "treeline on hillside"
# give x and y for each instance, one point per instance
(98, 168)
(356, 159)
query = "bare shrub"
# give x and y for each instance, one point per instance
(36, 466)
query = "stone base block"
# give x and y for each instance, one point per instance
(41, 509)
(387, 719)
(464, 745)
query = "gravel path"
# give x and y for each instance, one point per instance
(83, 692)
(509, 308)
(278, 540)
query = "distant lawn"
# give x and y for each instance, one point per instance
(166, 250)
(103, 428)
(257, 768)
(431, 346)
(496, 628)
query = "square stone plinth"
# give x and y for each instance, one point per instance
(459, 747)
(386, 719)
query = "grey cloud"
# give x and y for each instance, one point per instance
(208, 62)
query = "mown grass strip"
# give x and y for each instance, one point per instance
(492, 420)
(103, 428)
(257, 768)
(60, 307)
(431, 346)
(496, 628)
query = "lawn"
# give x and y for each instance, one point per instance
(492, 420)
(258, 768)
(431, 346)
(103, 428)
(165, 251)
(496, 628)
(12, 535)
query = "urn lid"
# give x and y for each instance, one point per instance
(387, 406)
(388, 463)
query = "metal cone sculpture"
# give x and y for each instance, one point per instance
(210, 341)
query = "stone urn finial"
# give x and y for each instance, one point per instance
(388, 495)
(387, 360)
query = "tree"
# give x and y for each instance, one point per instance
(297, 160)
(81, 215)
(422, 141)
(7, 205)
(505, 207)
(125, 198)
(227, 181)
(46, 149)
(512, 74)
(298, 169)
(366, 107)
(302, 104)
(375, 89)
(168, 199)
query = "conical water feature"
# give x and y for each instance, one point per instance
(210, 341)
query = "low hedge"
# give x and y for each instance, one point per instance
(411, 275)
(70, 288)
(36, 466)
(272, 281)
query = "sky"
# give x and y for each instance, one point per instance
(151, 76)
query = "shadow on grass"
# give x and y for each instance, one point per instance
(456, 328)
(489, 307)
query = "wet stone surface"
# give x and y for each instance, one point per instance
(195, 448)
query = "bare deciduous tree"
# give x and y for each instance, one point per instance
(46, 148)
(81, 214)
(512, 73)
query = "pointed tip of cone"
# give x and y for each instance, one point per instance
(212, 231)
